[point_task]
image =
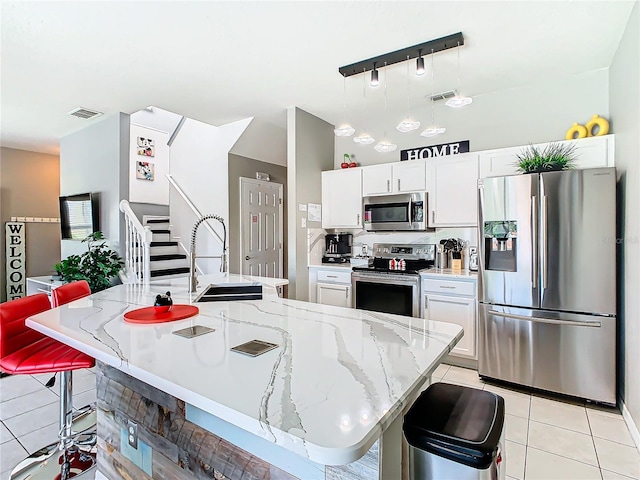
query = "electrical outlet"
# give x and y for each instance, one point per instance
(132, 434)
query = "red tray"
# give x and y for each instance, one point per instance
(149, 315)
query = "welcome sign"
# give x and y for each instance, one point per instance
(435, 151)
(15, 259)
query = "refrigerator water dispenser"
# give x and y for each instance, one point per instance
(500, 245)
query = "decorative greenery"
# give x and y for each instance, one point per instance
(98, 265)
(555, 156)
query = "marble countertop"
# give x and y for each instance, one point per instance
(337, 380)
(447, 272)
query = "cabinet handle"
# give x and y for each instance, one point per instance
(433, 216)
(398, 184)
(332, 276)
(346, 292)
(388, 185)
(358, 219)
(445, 286)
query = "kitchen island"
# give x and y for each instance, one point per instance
(326, 403)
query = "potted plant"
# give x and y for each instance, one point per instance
(555, 156)
(98, 265)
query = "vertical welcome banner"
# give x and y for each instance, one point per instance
(15, 260)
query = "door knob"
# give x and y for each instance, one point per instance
(247, 257)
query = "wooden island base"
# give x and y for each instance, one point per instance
(171, 447)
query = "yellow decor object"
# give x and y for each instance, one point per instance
(601, 123)
(576, 131)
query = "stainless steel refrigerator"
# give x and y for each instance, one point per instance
(547, 281)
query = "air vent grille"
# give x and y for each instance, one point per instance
(84, 113)
(442, 96)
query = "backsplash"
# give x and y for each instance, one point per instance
(315, 240)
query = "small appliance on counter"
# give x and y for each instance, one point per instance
(337, 248)
(473, 259)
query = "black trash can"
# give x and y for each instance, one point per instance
(456, 432)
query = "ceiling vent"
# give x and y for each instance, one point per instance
(84, 113)
(442, 96)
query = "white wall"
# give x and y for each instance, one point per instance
(625, 121)
(147, 191)
(199, 165)
(95, 159)
(541, 111)
(309, 152)
(262, 141)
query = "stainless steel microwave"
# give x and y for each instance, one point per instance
(403, 211)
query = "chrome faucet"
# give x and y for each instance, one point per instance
(193, 280)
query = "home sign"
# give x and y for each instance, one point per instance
(435, 151)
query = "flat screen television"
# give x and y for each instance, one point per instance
(78, 216)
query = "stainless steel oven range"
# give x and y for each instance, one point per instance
(391, 283)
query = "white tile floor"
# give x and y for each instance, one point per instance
(546, 439)
(29, 413)
(551, 438)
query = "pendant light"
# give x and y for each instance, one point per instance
(364, 138)
(408, 124)
(374, 76)
(385, 145)
(420, 64)
(344, 130)
(432, 130)
(458, 101)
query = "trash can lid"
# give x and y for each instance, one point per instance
(458, 423)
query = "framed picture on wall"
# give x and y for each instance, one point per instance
(144, 171)
(146, 147)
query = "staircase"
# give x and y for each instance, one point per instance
(167, 260)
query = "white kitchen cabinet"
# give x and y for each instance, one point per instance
(333, 286)
(342, 198)
(398, 177)
(453, 190)
(334, 294)
(591, 152)
(453, 301)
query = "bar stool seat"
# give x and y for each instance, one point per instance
(28, 352)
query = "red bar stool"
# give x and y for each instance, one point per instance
(70, 292)
(24, 351)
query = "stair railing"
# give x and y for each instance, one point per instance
(137, 247)
(195, 210)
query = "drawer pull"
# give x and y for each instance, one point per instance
(332, 276)
(446, 286)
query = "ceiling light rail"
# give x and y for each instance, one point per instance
(416, 51)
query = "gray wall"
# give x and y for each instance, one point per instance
(310, 147)
(29, 187)
(625, 122)
(540, 111)
(247, 167)
(96, 159)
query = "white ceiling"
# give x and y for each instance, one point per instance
(218, 62)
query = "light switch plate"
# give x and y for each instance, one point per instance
(132, 434)
(303, 222)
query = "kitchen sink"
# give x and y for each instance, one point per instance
(225, 292)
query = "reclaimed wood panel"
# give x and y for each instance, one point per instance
(181, 449)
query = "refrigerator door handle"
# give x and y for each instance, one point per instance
(534, 241)
(552, 321)
(544, 247)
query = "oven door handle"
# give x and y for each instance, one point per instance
(395, 279)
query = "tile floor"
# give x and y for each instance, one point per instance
(546, 438)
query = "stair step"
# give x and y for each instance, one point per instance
(158, 220)
(164, 244)
(160, 231)
(167, 256)
(169, 271)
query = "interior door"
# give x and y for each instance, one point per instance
(508, 241)
(261, 228)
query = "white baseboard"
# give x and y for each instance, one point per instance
(633, 429)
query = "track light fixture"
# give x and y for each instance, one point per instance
(374, 76)
(420, 64)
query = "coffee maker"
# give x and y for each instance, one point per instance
(337, 247)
